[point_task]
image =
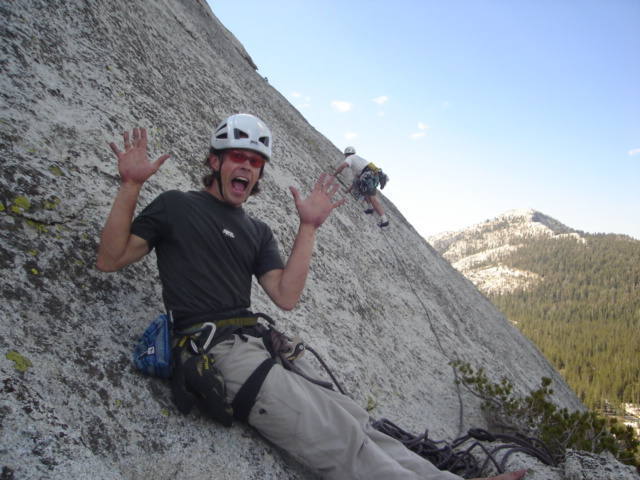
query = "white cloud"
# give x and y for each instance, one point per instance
(381, 99)
(350, 135)
(422, 126)
(341, 106)
(304, 100)
(417, 135)
(635, 151)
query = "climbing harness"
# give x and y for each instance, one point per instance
(197, 381)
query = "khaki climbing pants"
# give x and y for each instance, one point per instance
(323, 429)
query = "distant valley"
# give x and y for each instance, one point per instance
(576, 295)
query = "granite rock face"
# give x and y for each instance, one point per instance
(385, 310)
(589, 466)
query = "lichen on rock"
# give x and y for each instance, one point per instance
(21, 363)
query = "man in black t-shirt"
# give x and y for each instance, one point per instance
(240, 147)
(208, 249)
(207, 252)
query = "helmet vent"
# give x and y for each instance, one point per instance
(222, 135)
(237, 133)
(264, 141)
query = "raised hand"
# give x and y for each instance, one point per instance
(133, 164)
(315, 209)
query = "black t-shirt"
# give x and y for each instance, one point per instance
(207, 251)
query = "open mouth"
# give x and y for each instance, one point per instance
(239, 184)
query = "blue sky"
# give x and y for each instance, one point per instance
(472, 107)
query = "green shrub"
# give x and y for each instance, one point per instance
(535, 416)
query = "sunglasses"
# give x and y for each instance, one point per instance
(255, 160)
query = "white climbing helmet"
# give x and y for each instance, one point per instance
(349, 151)
(243, 130)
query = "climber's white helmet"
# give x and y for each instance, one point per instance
(243, 130)
(349, 151)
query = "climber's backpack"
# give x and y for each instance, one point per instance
(152, 353)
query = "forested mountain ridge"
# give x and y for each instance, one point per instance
(478, 251)
(576, 295)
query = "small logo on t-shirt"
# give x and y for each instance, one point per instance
(228, 233)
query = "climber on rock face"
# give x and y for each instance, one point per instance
(208, 250)
(366, 179)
